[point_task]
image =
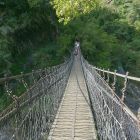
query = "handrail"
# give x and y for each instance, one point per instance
(19, 76)
(113, 118)
(26, 74)
(120, 75)
(11, 106)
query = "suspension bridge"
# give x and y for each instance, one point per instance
(71, 101)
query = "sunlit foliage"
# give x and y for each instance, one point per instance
(66, 10)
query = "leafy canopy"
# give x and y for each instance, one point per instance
(66, 10)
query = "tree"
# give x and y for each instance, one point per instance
(67, 10)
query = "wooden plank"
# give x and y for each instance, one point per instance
(74, 120)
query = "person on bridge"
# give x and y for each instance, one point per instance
(76, 47)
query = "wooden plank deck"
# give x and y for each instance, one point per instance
(74, 120)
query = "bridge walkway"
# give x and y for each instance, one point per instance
(74, 120)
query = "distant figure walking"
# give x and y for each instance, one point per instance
(76, 47)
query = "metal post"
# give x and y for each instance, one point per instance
(124, 88)
(103, 74)
(108, 78)
(114, 81)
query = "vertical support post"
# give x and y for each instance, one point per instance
(114, 81)
(108, 78)
(8, 91)
(17, 105)
(124, 88)
(100, 72)
(45, 71)
(18, 115)
(103, 74)
(23, 81)
(123, 96)
(33, 76)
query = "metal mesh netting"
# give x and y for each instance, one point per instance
(114, 120)
(32, 114)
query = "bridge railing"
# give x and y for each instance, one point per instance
(114, 120)
(31, 115)
(117, 74)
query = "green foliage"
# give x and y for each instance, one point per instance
(24, 25)
(96, 44)
(30, 35)
(66, 10)
(108, 38)
(47, 56)
(126, 28)
(34, 3)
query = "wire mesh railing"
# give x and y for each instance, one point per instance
(31, 115)
(114, 120)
